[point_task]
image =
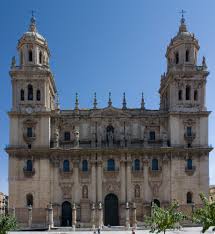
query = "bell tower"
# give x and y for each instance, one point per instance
(182, 87)
(32, 81)
(182, 91)
(33, 91)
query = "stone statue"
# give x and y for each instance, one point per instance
(13, 62)
(76, 141)
(85, 191)
(56, 138)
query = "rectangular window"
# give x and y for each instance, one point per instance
(29, 132)
(152, 136)
(67, 136)
(189, 131)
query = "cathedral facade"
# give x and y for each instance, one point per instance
(109, 161)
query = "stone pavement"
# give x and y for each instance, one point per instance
(192, 230)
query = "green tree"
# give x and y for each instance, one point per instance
(162, 219)
(205, 215)
(7, 223)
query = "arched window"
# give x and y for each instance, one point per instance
(66, 167)
(189, 164)
(29, 165)
(111, 165)
(30, 56)
(40, 57)
(195, 95)
(21, 58)
(152, 135)
(67, 136)
(136, 164)
(84, 165)
(176, 58)
(180, 95)
(154, 164)
(189, 198)
(189, 131)
(29, 199)
(30, 92)
(38, 95)
(22, 95)
(187, 55)
(29, 132)
(187, 92)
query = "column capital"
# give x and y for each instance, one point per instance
(146, 160)
(76, 163)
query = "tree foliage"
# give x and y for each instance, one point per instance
(205, 215)
(162, 219)
(7, 223)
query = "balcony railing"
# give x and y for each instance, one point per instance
(190, 171)
(28, 173)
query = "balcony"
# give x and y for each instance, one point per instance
(65, 174)
(29, 139)
(28, 173)
(189, 137)
(190, 171)
(155, 173)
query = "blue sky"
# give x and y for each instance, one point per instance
(102, 46)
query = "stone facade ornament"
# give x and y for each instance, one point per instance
(50, 216)
(30, 216)
(134, 210)
(74, 218)
(93, 216)
(100, 214)
(127, 216)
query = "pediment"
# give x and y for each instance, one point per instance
(110, 112)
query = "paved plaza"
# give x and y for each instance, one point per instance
(192, 230)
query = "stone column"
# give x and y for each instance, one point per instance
(100, 213)
(146, 182)
(76, 182)
(128, 172)
(93, 181)
(122, 179)
(134, 224)
(30, 216)
(146, 198)
(50, 216)
(93, 214)
(127, 216)
(74, 217)
(99, 180)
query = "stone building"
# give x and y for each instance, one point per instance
(3, 203)
(109, 159)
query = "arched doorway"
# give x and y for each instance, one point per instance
(111, 210)
(66, 214)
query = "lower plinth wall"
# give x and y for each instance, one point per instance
(40, 215)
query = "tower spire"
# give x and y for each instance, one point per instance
(109, 100)
(183, 27)
(76, 101)
(124, 104)
(142, 102)
(32, 26)
(95, 101)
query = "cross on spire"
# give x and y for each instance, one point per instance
(32, 13)
(32, 26)
(182, 12)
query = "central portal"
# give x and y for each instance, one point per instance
(111, 210)
(66, 214)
